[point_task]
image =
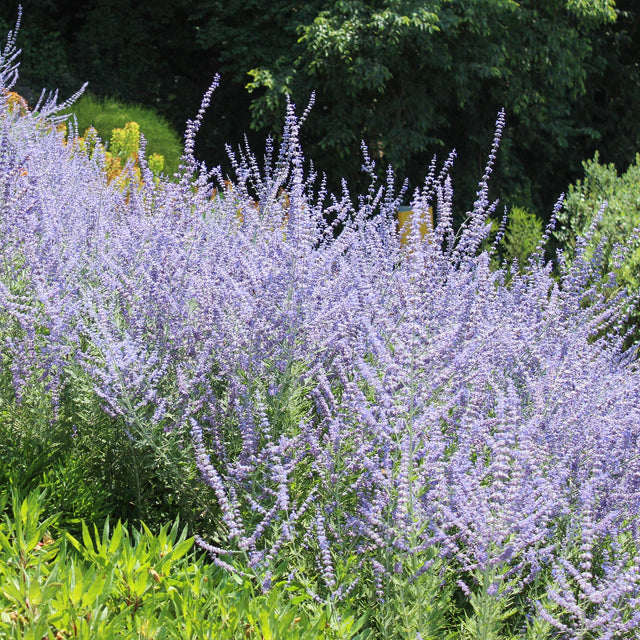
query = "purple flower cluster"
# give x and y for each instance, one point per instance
(342, 393)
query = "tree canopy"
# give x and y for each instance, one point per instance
(409, 77)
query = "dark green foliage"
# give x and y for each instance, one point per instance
(410, 78)
(45, 50)
(89, 465)
(613, 88)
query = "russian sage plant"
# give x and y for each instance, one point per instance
(400, 422)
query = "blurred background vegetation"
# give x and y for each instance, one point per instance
(411, 78)
(107, 116)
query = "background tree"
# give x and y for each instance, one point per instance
(611, 102)
(410, 77)
(413, 77)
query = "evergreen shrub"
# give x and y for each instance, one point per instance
(611, 203)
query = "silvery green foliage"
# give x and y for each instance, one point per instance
(346, 395)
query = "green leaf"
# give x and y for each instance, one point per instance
(116, 539)
(181, 549)
(87, 539)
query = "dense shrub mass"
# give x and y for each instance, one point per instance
(619, 198)
(395, 425)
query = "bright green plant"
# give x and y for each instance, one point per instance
(617, 198)
(415, 601)
(121, 154)
(107, 116)
(522, 236)
(121, 583)
(491, 606)
(125, 142)
(621, 193)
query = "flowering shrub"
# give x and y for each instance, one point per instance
(399, 422)
(108, 115)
